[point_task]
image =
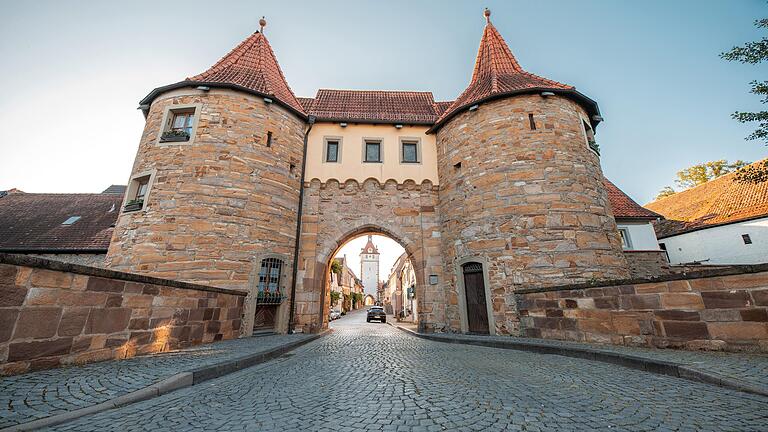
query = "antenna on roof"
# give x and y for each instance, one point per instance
(262, 24)
(487, 14)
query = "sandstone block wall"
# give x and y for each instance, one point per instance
(335, 213)
(218, 203)
(717, 309)
(54, 314)
(647, 264)
(532, 202)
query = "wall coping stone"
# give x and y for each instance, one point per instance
(699, 274)
(43, 263)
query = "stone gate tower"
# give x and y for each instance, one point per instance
(213, 195)
(521, 188)
(369, 268)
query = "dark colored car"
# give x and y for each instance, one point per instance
(376, 313)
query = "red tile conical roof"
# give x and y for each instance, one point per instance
(497, 72)
(252, 65)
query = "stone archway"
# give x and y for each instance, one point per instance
(338, 212)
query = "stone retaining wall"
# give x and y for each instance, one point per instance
(55, 313)
(723, 309)
(646, 264)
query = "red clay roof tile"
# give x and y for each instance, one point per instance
(497, 72)
(718, 202)
(624, 206)
(31, 221)
(252, 65)
(406, 107)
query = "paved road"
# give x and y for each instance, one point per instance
(375, 377)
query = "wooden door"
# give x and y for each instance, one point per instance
(474, 289)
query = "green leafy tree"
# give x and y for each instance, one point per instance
(701, 173)
(667, 191)
(335, 296)
(753, 53)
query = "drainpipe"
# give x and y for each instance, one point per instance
(311, 120)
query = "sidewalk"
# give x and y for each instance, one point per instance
(744, 372)
(56, 392)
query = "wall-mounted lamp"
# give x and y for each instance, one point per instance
(203, 88)
(474, 107)
(547, 94)
(342, 124)
(398, 126)
(268, 100)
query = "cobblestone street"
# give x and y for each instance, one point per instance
(375, 377)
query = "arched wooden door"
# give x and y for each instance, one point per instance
(474, 290)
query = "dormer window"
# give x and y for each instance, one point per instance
(71, 220)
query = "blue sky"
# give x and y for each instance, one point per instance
(74, 71)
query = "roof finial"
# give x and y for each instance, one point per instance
(262, 24)
(487, 13)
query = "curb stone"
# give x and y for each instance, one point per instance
(661, 367)
(172, 383)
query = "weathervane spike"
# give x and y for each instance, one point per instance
(487, 13)
(262, 24)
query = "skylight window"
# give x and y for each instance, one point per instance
(71, 220)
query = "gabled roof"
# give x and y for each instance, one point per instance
(380, 106)
(115, 189)
(718, 202)
(33, 222)
(252, 65)
(625, 207)
(370, 245)
(497, 73)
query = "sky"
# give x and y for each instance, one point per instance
(74, 71)
(389, 251)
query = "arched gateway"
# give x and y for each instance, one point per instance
(239, 184)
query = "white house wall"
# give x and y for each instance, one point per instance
(721, 244)
(641, 235)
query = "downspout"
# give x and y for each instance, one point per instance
(311, 120)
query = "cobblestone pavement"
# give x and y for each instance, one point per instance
(750, 368)
(41, 394)
(375, 377)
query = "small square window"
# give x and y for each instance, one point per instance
(179, 124)
(331, 151)
(410, 152)
(373, 151)
(747, 239)
(137, 193)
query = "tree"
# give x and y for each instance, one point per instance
(701, 173)
(667, 191)
(753, 53)
(335, 296)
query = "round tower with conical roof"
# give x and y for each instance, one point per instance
(522, 200)
(213, 195)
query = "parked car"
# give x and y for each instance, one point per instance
(335, 314)
(376, 313)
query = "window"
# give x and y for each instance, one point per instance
(409, 151)
(179, 124)
(331, 150)
(71, 220)
(138, 192)
(746, 238)
(590, 137)
(626, 243)
(372, 151)
(269, 275)
(531, 122)
(269, 139)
